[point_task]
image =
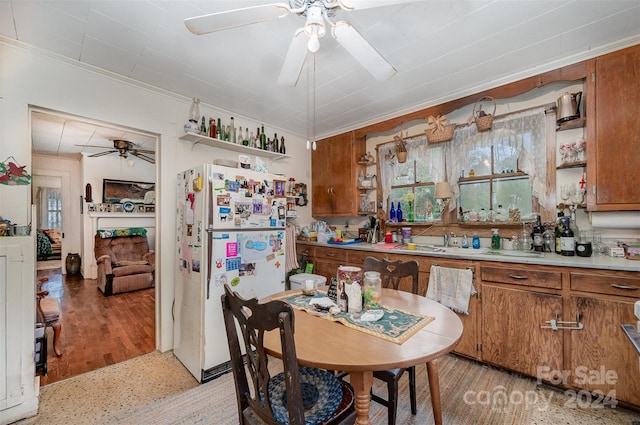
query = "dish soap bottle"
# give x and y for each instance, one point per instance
(476, 241)
(495, 239)
(465, 240)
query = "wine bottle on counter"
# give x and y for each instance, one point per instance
(538, 231)
(203, 127)
(567, 240)
(343, 302)
(392, 213)
(399, 213)
(558, 232)
(219, 131)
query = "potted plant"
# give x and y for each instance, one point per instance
(401, 149)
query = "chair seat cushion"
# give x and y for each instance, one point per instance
(50, 309)
(129, 270)
(389, 374)
(131, 263)
(322, 393)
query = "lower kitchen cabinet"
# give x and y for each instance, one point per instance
(602, 360)
(327, 260)
(504, 326)
(512, 336)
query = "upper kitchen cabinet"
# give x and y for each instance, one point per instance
(613, 154)
(334, 171)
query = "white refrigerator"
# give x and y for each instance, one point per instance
(230, 229)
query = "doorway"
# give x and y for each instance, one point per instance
(46, 192)
(97, 331)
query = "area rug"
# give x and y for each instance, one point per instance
(471, 394)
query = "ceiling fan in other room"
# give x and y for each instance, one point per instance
(315, 12)
(123, 148)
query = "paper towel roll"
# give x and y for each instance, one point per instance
(615, 219)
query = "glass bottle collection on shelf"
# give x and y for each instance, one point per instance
(228, 133)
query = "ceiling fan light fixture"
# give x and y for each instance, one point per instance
(314, 44)
(314, 28)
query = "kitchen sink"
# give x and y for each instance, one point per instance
(512, 253)
(466, 251)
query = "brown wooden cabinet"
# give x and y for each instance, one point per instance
(515, 305)
(511, 332)
(601, 358)
(517, 300)
(334, 171)
(613, 154)
(327, 260)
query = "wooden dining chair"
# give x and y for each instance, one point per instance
(313, 396)
(49, 314)
(393, 275)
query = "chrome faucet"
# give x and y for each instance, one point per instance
(448, 238)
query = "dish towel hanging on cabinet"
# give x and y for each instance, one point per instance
(291, 261)
(451, 287)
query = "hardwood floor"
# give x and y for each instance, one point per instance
(97, 331)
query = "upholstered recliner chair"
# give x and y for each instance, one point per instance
(124, 261)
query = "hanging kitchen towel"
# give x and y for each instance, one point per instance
(291, 261)
(451, 287)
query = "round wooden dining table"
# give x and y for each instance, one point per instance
(330, 345)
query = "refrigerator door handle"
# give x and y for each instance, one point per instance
(209, 238)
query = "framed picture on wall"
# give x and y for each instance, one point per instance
(117, 191)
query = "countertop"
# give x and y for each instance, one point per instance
(548, 259)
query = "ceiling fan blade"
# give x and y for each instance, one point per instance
(362, 51)
(93, 146)
(142, 156)
(143, 150)
(102, 153)
(368, 4)
(293, 62)
(236, 18)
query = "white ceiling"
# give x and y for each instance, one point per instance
(442, 50)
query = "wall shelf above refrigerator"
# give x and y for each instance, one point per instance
(195, 139)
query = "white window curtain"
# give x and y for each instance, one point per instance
(524, 131)
(429, 160)
(49, 208)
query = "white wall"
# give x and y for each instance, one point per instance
(31, 78)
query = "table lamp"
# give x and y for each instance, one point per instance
(443, 195)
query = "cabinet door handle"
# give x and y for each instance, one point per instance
(627, 287)
(330, 254)
(518, 276)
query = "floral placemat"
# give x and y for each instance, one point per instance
(395, 325)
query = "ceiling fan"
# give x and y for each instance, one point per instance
(315, 12)
(123, 148)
